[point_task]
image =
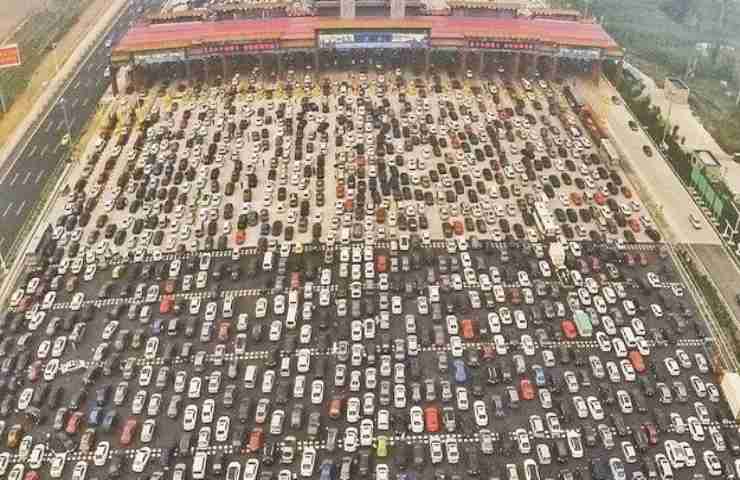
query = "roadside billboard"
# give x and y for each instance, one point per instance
(10, 56)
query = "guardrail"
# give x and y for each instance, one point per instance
(726, 352)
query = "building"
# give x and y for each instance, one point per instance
(705, 160)
(676, 91)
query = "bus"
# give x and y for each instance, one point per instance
(583, 323)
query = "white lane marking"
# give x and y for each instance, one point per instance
(38, 177)
(43, 150)
(74, 102)
(20, 209)
(84, 102)
(2, 241)
(33, 150)
(48, 127)
(25, 180)
(8, 208)
(57, 147)
(15, 179)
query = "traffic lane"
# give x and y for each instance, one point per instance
(29, 175)
(664, 188)
(100, 55)
(45, 148)
(723, 270)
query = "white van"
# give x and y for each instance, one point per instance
(250, 376)
(199, 465)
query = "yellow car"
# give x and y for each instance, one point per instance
(381, 450)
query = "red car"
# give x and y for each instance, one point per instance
(431, 418)
(381, 264)
(629, 259)
(74, 422)
(166, 304)
(129, 432)
(488, 352)
(240, 236)
(34, 371)
(468, 329)
(652, 433)
(223, 331)
(32, 475)
(526, 389)
(637, 361)
(256, 438)
(569, 329)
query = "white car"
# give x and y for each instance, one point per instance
(222, 428)
(251, 468)
(190, 418)
(56, 470)
(79, 472)
(453, 451)
(416, 419)
(382, 472)
(100, 456)
(147, 430)
(351, 440)
(260, 309)
(522, 438)
(141, 459)
(317, 392)
(480, 413)
(435, 449)
(353, 410)
(366, 433)
(304, 360)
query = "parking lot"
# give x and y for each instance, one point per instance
(356, 313)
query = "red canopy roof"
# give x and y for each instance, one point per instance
(143, 38)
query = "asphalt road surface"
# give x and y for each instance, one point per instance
(23, 176)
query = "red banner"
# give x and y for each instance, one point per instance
(10, 56)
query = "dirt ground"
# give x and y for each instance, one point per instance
(14, 12)
(47, 68)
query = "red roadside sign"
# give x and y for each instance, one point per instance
(10, 56)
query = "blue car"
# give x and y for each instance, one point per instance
(461, 371)
(95, 417)
(539, 375)
(157, 327)
(328, 470)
